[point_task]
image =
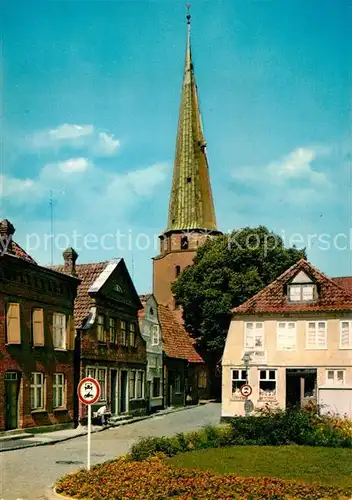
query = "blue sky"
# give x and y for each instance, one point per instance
(90, 98)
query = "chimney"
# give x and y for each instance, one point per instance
(6, 232)
(70, 257)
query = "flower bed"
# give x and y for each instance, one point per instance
(152, 479)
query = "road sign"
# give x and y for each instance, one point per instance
(246, 390)
(89, 391)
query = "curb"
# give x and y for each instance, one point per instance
(126, 422)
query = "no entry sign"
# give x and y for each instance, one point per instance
(89, 391)
(246, 390)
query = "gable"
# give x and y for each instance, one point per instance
(301, 277)
(115, 283)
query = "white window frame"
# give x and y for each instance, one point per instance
(112, 330)
(34, 385)
(134, 374)
(132, 333)
(124, 332)
(349, 343)
(316, 346)
(140, 373)
(287, 346)
(101, 328)
(262, 395)
(300, 297)
(155, 335)
(240, 379)
(62, 326)
(257, 333)
(59, 383)
(92, 371)
(335, 381)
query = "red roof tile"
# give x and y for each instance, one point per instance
(332, 296)
(176, 341)
(344, 282)
(15, 249)
(87, 273)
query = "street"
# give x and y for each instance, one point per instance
(26, 474)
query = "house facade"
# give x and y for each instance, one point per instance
(151, 332)
(36, 340)
(109, 346)
(298, 333)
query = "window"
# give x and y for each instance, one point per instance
(59, 331)
(254, 335)
(267, 384)
(101, 328)
(202, 380)
(155, 335)
(178, 383)
(112, 330)
(37, 391)
(177, 271)
(132, 384)
(123, 333)
(13, 324)
(37, 327)
(346, 335)
(184, 243)
(58, 390)
(140, 380)
(286, 336)
(301, 293)
(98, 374)
(316, 335)
(238, 378)
(335, 377)
(132, 332)
(156, 387)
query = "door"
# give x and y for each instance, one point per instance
(123, 391)
(113, 398)
(11, 400)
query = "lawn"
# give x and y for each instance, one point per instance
(327, 466)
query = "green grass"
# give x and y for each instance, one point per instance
(326, 466)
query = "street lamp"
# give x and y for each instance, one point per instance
(247, 403)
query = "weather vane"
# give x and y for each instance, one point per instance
(188, 6)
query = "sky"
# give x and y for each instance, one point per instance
(90, 92)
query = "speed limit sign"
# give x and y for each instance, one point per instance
(246, 390)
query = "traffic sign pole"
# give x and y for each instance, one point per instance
(89, 434)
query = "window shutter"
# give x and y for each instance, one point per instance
(321, 334)
(38, 327)
(249, 335)
(311, 335)
(70, 333)
(281, 335)
(345, 334)
(13, 324)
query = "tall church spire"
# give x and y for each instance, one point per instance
(191, 202)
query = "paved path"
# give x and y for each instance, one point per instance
(26, 474)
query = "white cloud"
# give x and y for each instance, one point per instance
(75, 137)
(12, 186)
(74, 165)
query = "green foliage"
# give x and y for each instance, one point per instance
(227, 271)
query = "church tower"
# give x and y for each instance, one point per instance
(191, 219)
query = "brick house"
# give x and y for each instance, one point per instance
(185, 375)
(109, 346)
(36, 340)
(298, 333)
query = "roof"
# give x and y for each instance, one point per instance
(273, 298)
(88, 274)
(176, 341)
(344, 282)
(16, 250)
(191, 203)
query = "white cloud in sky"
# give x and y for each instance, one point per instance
(75, 136)
(74, 165)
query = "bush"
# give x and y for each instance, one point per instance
(154, 480)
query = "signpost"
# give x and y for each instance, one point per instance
(89, 391)
(246, 390)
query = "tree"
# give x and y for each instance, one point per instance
(227, 271)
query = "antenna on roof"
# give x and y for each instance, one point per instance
(51, 227)
(132, 269)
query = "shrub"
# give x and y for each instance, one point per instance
(154, 480)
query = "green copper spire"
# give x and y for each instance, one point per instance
(191, 202)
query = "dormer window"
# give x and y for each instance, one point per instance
(184, 243)
(301, 292)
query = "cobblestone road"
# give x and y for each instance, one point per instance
(26, 474)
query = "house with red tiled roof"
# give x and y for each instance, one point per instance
(36, 340)
(291, 343)
(185, 375)
(109, 345)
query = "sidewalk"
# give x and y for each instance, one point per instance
(28, 440)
